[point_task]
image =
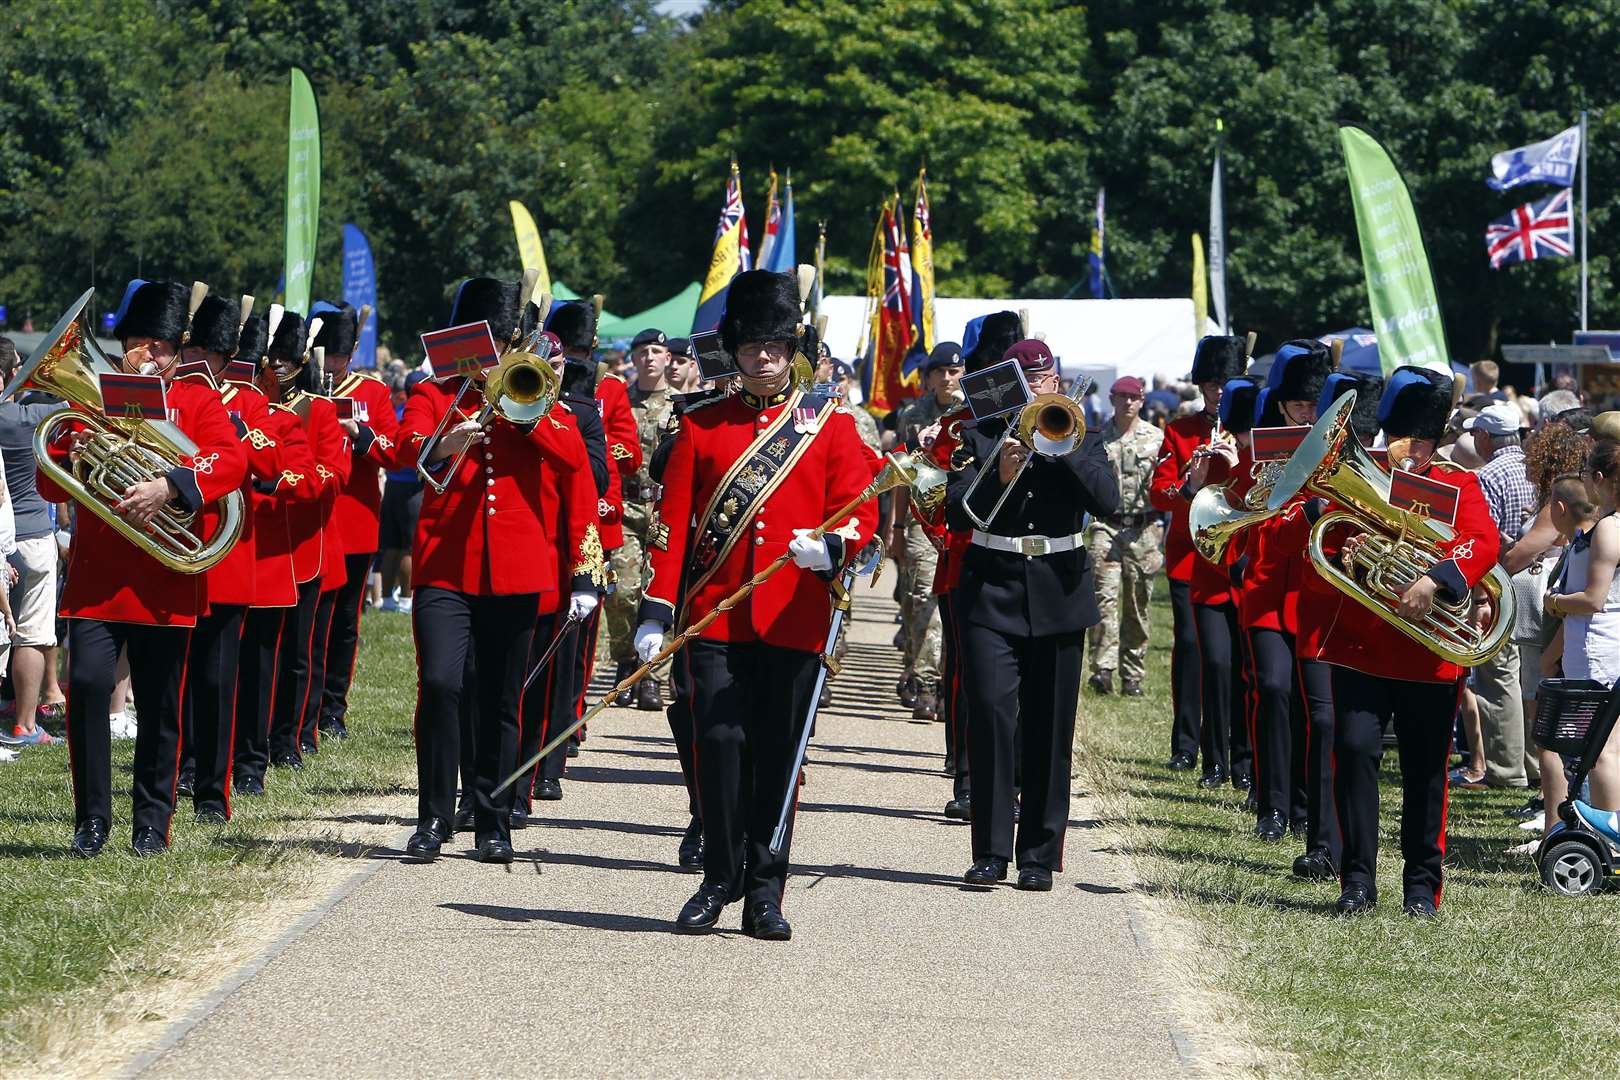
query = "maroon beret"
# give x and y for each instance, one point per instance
(1032, 355)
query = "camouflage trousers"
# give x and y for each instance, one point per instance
(621, 607)
(922, 631)
(1124, 562)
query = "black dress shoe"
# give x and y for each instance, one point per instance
(308, 749)
(1271, 828)
(573, 749)
(464, 821)
(249, 785)
(1299, 827)
(335, 729)
(89, 838)
(908, 690)
(825, 698)
(959, 810)
(186, 785)
(690, 853)
(425, 842)
(494, 851)
(986, 871)
(1419, 907)
(1035, 879)
(1243, 782)
(148, 841)
(1356, 899)
(548, 790)
(288, 761)
(1180, 762)
(703, 910)
(1130, 688)
(1213, 779)
(519, 818)
(763, 920)
(1315, 865)
(1102, 682)
(211, 815)
(1251, 803)
(622, 699)
(649, 695)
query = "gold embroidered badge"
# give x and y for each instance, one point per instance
(259, 439)
(590, 557)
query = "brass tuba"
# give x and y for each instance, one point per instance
(1214, 521)
(120, 452)
(520, 388)
(1400, 546)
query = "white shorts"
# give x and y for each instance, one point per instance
(33, 598)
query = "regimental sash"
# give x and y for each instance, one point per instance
(755, 475)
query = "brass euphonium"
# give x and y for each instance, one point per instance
(1399, 546)
(120, 451)
(1214, 521)
(520, 388)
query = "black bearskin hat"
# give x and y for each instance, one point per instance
(153, 309)
(1416, 404)
(574, 323)
(1299, 370)
(1368, 388)
(214, 327)
(340, 327)
(484, 299)
(998, 332)
(255, 340)
(289, 341)
(1218, 359)
(760, 306)
(1237, 409)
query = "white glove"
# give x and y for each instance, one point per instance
(809, 552)
(580, 605)
(649, 640)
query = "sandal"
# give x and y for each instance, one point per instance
(1463, 777)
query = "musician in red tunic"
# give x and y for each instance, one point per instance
(1382, 678)
(119, 597)
(357, 502)
(749, 477)
(1206, 687)
(483, 561)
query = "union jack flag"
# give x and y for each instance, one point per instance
(1538, 230)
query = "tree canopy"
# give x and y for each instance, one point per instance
(149, 136)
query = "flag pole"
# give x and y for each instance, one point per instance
(1583, 219)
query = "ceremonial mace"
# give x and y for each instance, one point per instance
(899, 470)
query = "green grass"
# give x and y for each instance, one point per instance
(1504, 980)
(74, 932)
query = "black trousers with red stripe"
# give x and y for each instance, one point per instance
(565, 693)
(679, 715)
(750, 702)
(1422, 713)
(1315, 681)
(953, 705)
(210, 703)
(255, 691)
(1279, 726)
(343, 640)
(309, 729)
(537, 722)
(157, 661)
(497, 631)
(1185, 731)
(1224, 737)
(294, 677)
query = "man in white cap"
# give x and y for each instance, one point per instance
(1512, 502)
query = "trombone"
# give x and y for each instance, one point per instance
(520, 388)
(1051, 425)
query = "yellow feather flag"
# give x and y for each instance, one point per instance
(1200, 292)
(530, 250)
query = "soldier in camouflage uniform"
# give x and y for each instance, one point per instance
(1126, 549)
(919, 607)
(651, 403)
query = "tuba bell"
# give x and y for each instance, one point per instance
(120, 452)
(1400, 546)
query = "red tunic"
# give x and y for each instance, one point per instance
(1181, 562)
(624, 455)
(232, 580)
(791, 609)
(492, 530)
(110, 579)
(275, 584)
(315, 552)
(1339, 630)
(360, 497)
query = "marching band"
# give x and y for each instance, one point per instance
(225, 471)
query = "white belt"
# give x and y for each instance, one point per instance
(1027, 545)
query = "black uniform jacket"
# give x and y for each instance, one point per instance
(1030, 595)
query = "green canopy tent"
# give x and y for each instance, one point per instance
(673, 316)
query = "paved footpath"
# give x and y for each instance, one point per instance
(564, 964)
